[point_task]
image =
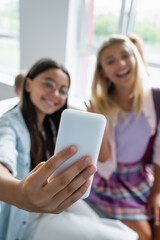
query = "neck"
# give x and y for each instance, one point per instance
(123, 98)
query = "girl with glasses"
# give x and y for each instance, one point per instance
(27, 139)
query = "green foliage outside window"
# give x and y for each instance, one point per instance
(149, 32)
(105, 25)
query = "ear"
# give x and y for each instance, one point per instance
(28, 84)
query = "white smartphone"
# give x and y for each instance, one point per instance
(83, 129)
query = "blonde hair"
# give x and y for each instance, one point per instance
(138, 42)
(102, 88)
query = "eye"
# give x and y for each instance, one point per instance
(125, 56)
(63, 91)
(49, 85)
(110, 62)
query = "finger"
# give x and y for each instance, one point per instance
(44, 172)
(66, 177)
(156, 216)
(88, 107)
(92, 106)
(85, 104)
(37, 167)
(73, 198)
(75, 184)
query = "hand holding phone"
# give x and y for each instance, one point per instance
(83, 129)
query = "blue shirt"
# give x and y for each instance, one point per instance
(15, 153)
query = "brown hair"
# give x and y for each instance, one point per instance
(40, 148)
(19, 79)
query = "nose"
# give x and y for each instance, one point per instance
(122, 62)
(55, 93)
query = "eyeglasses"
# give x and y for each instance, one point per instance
(51, 86)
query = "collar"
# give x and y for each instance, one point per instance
(148, 110)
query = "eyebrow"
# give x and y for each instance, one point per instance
(125, 51)
(109, 57)
(122, 52)
(52, 80)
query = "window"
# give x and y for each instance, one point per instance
(147, 25)
(103, 17)
(106, 16)
(9, 42)
(100, 18)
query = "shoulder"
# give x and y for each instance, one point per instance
(148, 100)
(150, 92)
(14, 115)
(13, 120)
(149, 107)
(151, 98)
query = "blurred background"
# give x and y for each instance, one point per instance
(70, 31)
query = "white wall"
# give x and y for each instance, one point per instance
(6, 91)
(43, 30)
(48, 28)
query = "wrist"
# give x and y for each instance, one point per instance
(10, 191)
(13, 189)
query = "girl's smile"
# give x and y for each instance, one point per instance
(119, 65)
(48, 91)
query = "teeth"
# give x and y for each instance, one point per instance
(122, 72)
(50, 102)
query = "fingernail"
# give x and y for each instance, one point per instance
(73, 149)
(92, 170)
(88, 161)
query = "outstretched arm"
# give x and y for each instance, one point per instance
(36, 193)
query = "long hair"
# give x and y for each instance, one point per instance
(138, 42)
(40, 148)
(103, 88)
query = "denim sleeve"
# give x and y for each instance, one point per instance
(8, 152)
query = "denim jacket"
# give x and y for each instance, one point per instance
(15, 153)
